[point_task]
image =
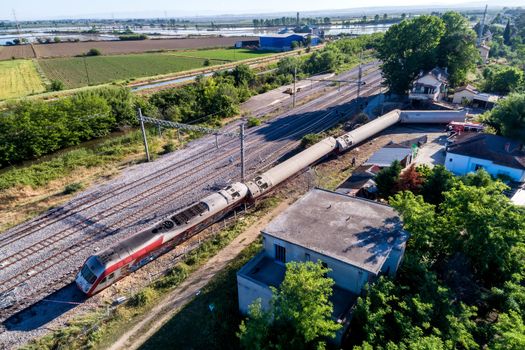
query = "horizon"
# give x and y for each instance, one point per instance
(97, 9)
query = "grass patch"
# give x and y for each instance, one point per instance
(82, 71)
(216, 329)
(19, 78)
(224, 54)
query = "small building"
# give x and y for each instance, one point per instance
(484, 51)
(431, 86)
(468, 95)
(361, 183)
(499, 156)
(356, 238)
(283, 42)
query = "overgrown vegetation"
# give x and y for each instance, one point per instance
(425, 42)
(461, 284)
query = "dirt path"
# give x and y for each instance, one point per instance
(183, 294)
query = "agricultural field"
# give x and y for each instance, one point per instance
(19, 78)
(78, 71)
(67, 49)
(224, 54)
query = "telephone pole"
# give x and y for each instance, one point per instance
(242, 152)
(294, 84)
(141, 119)
(360, 75)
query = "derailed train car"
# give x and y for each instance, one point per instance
(102, 269)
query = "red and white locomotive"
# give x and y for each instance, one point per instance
(103, 269)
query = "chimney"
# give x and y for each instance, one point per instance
(507, 147)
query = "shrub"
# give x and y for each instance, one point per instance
(56, 85)
(309, 140)
(93, 52)
(206, 63)
(169, 147)
(142, 298)
(72, 188)
(253, 122)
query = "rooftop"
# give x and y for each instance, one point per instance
(385, 156)
(498, 149)
(353, 230)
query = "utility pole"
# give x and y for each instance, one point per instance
(17, 27)
(482, 25)
(144, 135)
(242, 152)
(360, 75)
(294, 84)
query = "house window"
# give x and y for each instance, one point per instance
(280, 253)
(307, 256)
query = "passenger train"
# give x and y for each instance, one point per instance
(105, 268)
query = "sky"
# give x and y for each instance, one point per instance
(55, 9)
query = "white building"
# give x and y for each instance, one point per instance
(484, 51)
(469, 95)
(496, 154)
(431, 86)
(356, 238)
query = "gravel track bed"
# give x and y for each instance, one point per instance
(218, 172)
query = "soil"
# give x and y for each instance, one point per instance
(115, 47)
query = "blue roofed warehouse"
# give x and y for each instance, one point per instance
(283, 42)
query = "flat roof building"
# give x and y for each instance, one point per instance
(356, 238)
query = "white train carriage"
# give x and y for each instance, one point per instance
(103, 269)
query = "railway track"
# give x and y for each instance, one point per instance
(90, 201)
(40, 267)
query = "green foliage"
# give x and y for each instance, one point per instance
(56, 85)
(425, 42)
(502, 79)
(142, 298)
(299, 315)
(169, 147)
(508, 117)
(457, 50)
(252, 122)
(72, 188)
(436, 182)
(387, 179)
(94, 52)
(407, 48)
(128, 37)
(310, 140)
(510, 332)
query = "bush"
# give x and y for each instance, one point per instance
(206, 63)
(56, 85)
(142, 298)
(128, 37)
(310, 139)
(169, 147)
(72, 188)
(93, 52)
(253, 122)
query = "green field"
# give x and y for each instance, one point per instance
(78, 71)
(224, 54)
(19, 78)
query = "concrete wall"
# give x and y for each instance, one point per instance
(249, 290)
(461, 165)
(345, 276)
(463, 94)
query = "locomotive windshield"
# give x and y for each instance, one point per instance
(88, 275)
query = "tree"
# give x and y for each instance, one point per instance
(56, 85)
(503, 80)
(436, 182)
(243, 75)
(93, 52)
(508, 117)
(457, 48)
(300, 312)
(507, 33)
(409, 47)
(510, 332)
(387, 179)
(410, 180)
